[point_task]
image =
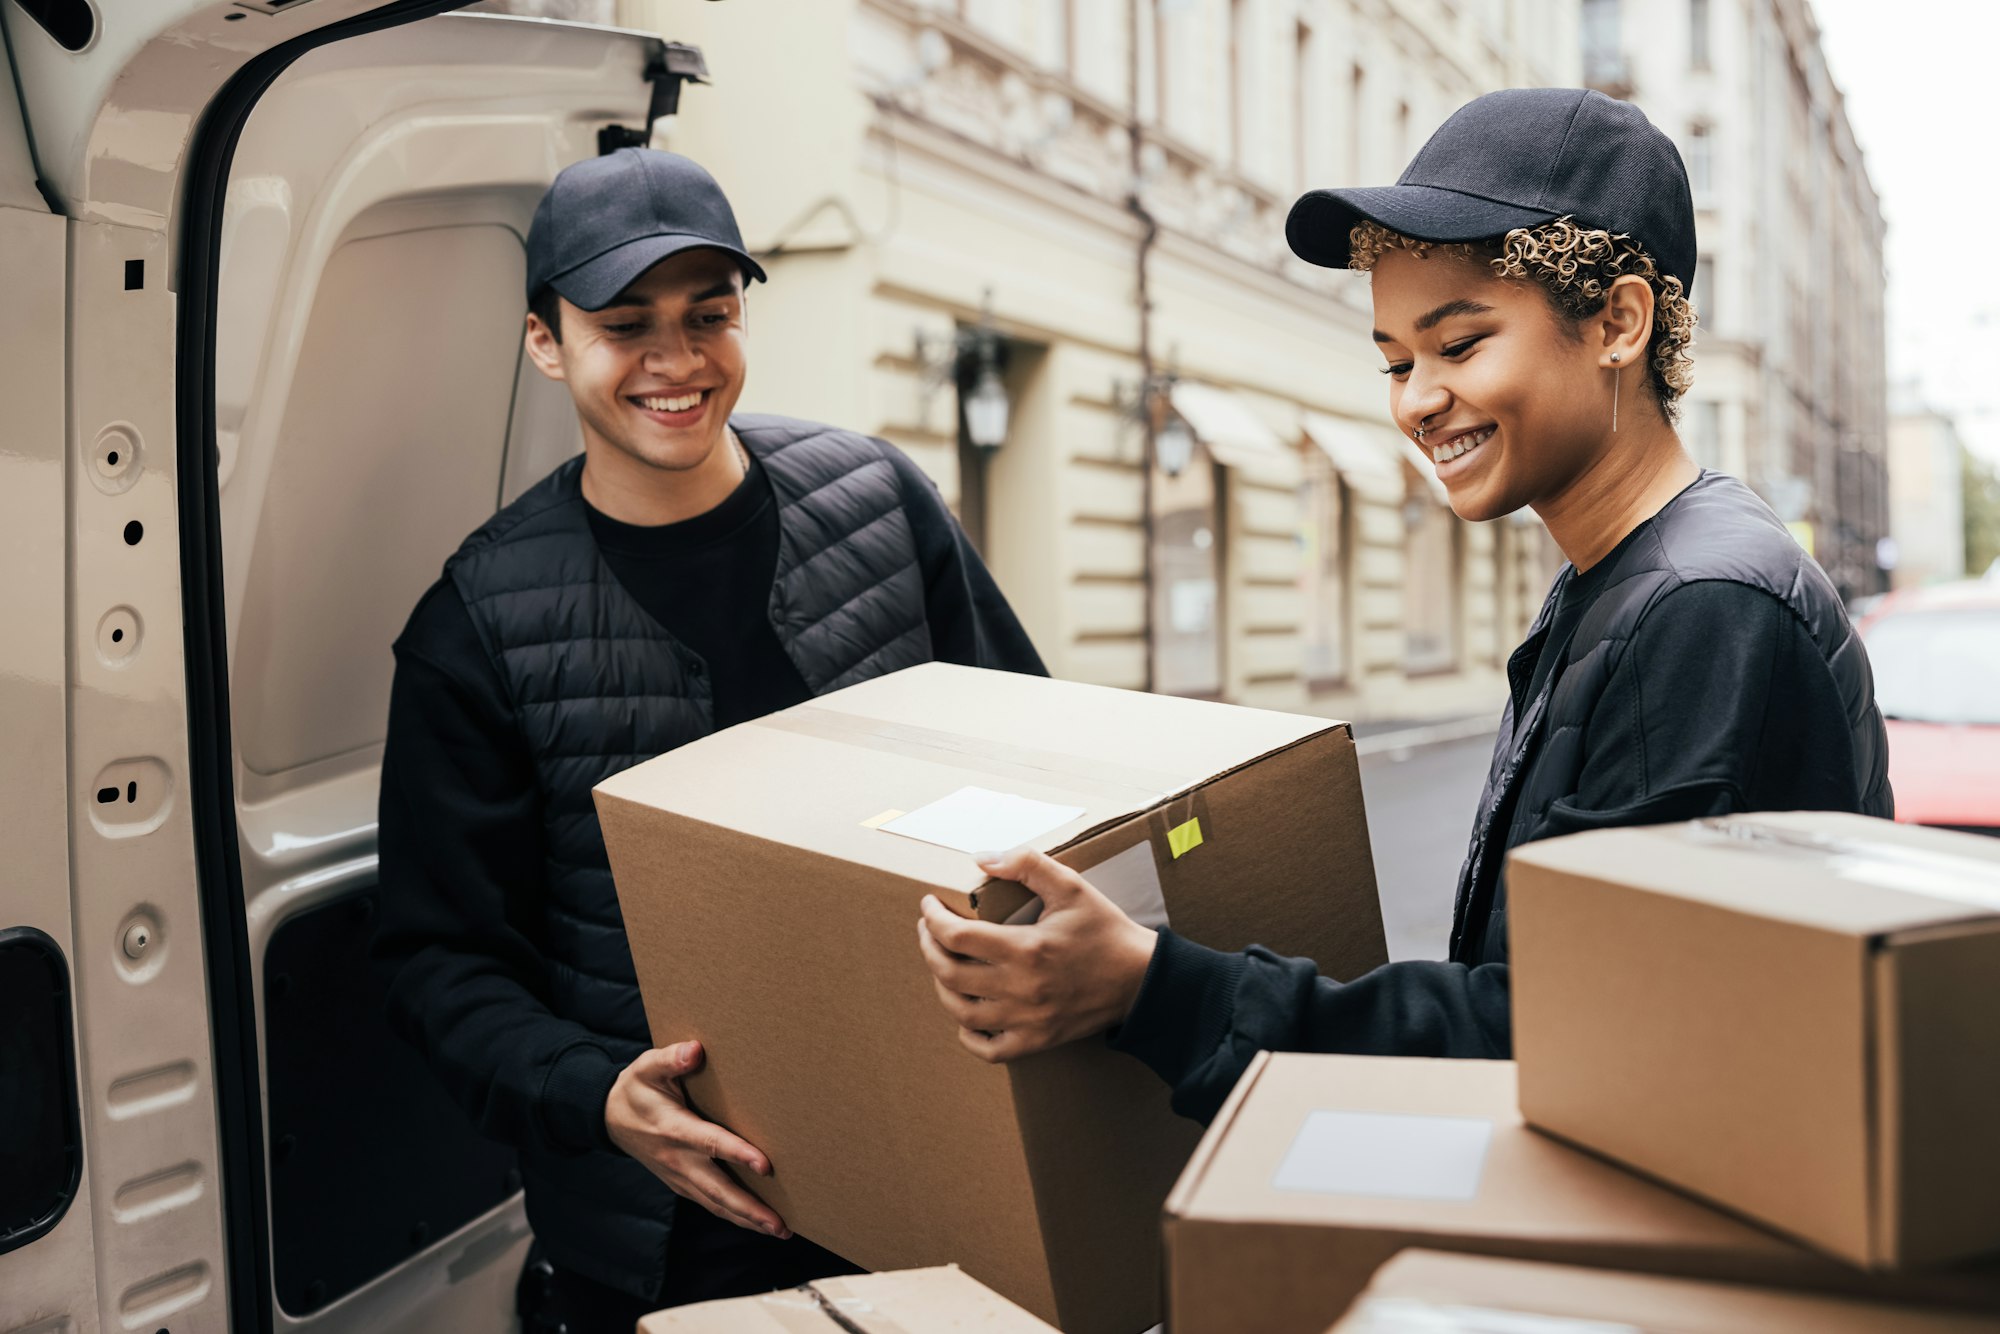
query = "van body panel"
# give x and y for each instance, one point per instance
(371, 407)
(112, 122)
(55, 1272)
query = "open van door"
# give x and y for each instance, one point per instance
(262, 264)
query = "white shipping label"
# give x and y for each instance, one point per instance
(1387, 1156)
(1130, 879)
(977, 819)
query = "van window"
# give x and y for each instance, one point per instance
(41, 1144)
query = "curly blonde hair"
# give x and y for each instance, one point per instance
(1575, 266)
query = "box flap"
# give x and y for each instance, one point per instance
(827, 776)
(1519, 1185)
(1838, 872)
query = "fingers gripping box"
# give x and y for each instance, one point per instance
(770, 875)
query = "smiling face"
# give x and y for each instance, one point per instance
(1511, 396)
(656, 373)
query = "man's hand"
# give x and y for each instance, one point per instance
(1017, 990)
(648, 1117)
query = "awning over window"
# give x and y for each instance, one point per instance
(1220, 420)
(1361, 452)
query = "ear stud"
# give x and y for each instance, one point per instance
(1614, 358)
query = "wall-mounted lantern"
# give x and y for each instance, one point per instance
(974, 358)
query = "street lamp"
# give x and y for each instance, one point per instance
(986, 407)
(1173, 445)
(973, 358)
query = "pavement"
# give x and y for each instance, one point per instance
(1421, 782)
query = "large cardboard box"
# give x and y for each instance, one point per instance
(942, 1300)
(770, 875)
(1319, 1168)
(1428, 1292)
(1796, 1016)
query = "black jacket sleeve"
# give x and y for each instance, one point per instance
(461, 882)
(1720, 703)
(971, 623)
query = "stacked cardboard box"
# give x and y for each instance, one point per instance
(941, 1300)
(1793, 1016)
(1428, 1292)
(770, 876)
(1784, 1022)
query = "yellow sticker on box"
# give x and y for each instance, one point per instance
(877, 821)
(1183, 839)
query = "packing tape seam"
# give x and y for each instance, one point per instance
(1059, 769)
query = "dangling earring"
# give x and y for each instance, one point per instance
(1614, 393)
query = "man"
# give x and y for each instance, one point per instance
(1531, 273)
(689, 571)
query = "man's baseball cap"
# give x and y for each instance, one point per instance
(606, 220)
(1518, 158)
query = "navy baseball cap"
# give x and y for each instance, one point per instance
(606, 220)
(1518, 158)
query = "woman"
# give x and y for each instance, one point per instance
(1531, 275)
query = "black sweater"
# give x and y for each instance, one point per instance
(461, 829)
(1722, 701)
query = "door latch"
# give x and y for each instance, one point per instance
(677, 63)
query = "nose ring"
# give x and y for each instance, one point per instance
(1421, 432)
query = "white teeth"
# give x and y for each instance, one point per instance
(679, 404)
(1465, 444)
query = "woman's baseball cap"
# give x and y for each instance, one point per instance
(606, 220)
(1518, 158)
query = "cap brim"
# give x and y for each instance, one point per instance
(1319, 225)
(592, 284)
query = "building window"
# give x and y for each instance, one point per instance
(1698, 34)
(1705, 433)
(1430, 582)
(1603, 56)
(1703, 297)
(1325, 571)
(1357, 94)
(1187, 580)
(1305, 124)
(1240, 37)
(1701, 160)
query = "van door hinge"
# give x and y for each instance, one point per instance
(677, 63)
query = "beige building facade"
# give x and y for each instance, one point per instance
(1791, 359)
(1079, 205)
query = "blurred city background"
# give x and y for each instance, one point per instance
(1039, 245)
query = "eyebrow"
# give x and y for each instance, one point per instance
(1431, 319)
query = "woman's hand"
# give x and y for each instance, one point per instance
(1016, 990)
(648, 1117)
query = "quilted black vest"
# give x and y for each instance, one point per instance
(598, 685)
(1716, 529)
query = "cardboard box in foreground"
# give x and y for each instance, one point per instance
(1428, 1292)
(1320, 1168)
(942, 1300)
(769, 877)
(1796, 1016)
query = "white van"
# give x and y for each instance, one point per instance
(260, 371)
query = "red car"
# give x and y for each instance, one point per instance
(1936, 655)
